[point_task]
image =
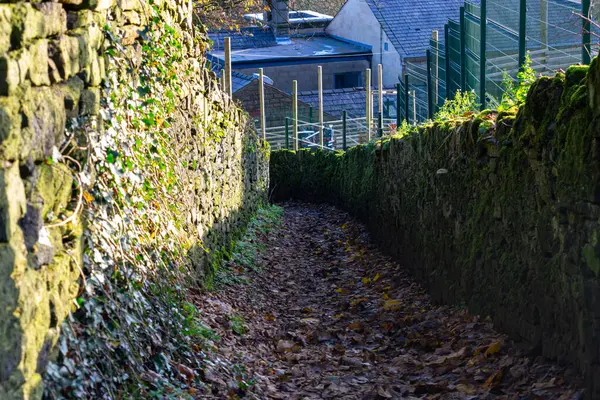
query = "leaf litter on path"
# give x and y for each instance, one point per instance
(328, 316)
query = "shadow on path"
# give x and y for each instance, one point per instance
(330, 317)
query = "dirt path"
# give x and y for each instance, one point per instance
(330, 317)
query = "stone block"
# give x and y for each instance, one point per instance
(89, 103)
(43, 122)
(72, 89)
(79, 19)
(6, 27)
(10, 128)
(38, 65)
(10, 76)
(127, 5)
(129, 33)
(64, 52)
(55, 18)
(132, 17)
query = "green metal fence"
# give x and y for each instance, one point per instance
(490, 41)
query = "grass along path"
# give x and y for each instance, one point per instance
(312, 310)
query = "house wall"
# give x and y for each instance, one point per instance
(278, 105)
(306, 74)
(356, 22)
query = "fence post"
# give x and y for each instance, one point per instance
(414, 99)
(482, 52)
(369, 106)
(261, 95)
(380, 97)
(447, 62)
(429, 86)
(398, 105)
(344, 130)
(406, 99)
(295, 112)
(287, 133)
(586, 34)
(463, 52)
(310, 114)
(436, 71)
(522, 32)
(320, 82)
(228, 66)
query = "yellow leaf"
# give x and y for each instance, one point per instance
(339, 290)
(307, 310)
(493, 349)
(366, 280)
(358, 301)
(392, 305)
(269, 317)
(88, 197)
(493, 380)
(376, 278)
(355, 326)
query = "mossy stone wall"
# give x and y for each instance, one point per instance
(52, 66)
(500, 214)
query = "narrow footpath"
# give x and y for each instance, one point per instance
(326, 316)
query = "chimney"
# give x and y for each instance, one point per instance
(278, 18)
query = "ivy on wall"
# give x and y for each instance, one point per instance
(153, 199)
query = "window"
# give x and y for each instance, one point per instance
(385, 46)
(348, 80)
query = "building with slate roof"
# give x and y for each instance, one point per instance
(398, 31)
(290, 51)
(351, 100)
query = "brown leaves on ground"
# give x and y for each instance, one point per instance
(330, 317)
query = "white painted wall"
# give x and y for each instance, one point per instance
(356, 22)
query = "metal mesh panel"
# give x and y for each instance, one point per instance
(438, 72)
(417, 85)
(453, 77)
(473, 46)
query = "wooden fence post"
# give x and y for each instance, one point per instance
(380, 98)
(429, 86)
(228, 66)
(320, 83)
(344, 130)
(398, 106)
(287, 133)
(369, 106)
(261, 96)
(406, 99)
(295, 112)
(414, 99)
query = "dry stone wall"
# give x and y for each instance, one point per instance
(62, 153)
(499, 213)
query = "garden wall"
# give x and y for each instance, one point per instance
(118, 155)
(496, 212)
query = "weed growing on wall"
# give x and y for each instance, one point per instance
(515, 91)
(464, 104)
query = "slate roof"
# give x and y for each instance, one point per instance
(300, 48)
(352, 100)
(246, 38)
(408, 23)
(238, 80)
